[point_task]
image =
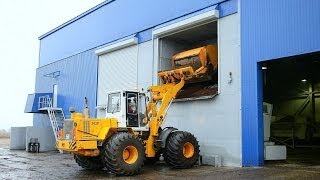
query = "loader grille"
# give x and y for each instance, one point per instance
(86, 127)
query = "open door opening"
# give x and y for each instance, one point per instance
(197, 48)
(291, 89)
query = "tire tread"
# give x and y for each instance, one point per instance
(112, 149)
(89, 163)
(173, 151)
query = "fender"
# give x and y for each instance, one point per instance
(106, 132)
(162, 139)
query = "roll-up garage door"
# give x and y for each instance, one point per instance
(117, 71)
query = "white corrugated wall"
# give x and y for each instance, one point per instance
(117, 71)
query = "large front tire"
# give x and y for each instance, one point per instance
(124, 154)
(182, 150)
(89, 163)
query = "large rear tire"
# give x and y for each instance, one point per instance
(89, 163)
(123, 154)
(182, 150)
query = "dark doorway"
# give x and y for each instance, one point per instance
(291, 88)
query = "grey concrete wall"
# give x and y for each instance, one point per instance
(144, 66)
(217, 122)
(44, 135)
(18, 138)
(41, 120)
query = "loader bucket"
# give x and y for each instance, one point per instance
(199, 69)
(195, 65)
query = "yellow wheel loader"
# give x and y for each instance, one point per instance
(131, 135)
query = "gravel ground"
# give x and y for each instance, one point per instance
(52, 165)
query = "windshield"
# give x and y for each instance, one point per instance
(113, 103)
(142, 109)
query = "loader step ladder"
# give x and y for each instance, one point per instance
(56, 115)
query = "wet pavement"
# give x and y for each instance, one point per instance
(52, 165)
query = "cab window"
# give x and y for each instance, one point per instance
(132, 106)
(113, 103)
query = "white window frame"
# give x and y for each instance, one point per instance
(186, 24)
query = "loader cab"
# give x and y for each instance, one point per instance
(128, 107)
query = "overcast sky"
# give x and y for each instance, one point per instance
(21, 23)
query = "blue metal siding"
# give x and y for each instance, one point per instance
(144, 36)
(270, 29)
(113, 21)
(78, 79)
(228, 7)
(76, 18)
(187, 16)
(275, 29)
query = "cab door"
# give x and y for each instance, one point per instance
(114, 109)
(132, 109)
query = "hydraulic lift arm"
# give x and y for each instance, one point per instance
(165, 94)
(186, 66)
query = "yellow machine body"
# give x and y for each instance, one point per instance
(89, 135)
(86, 134)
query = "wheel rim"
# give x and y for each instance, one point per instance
(130, 154)
(188, 150)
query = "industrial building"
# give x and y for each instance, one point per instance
(268, 51)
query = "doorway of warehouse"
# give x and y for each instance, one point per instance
(189, 42)
(291, 109)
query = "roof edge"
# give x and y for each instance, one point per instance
(76, 18)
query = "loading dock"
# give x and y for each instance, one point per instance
(178, 36)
